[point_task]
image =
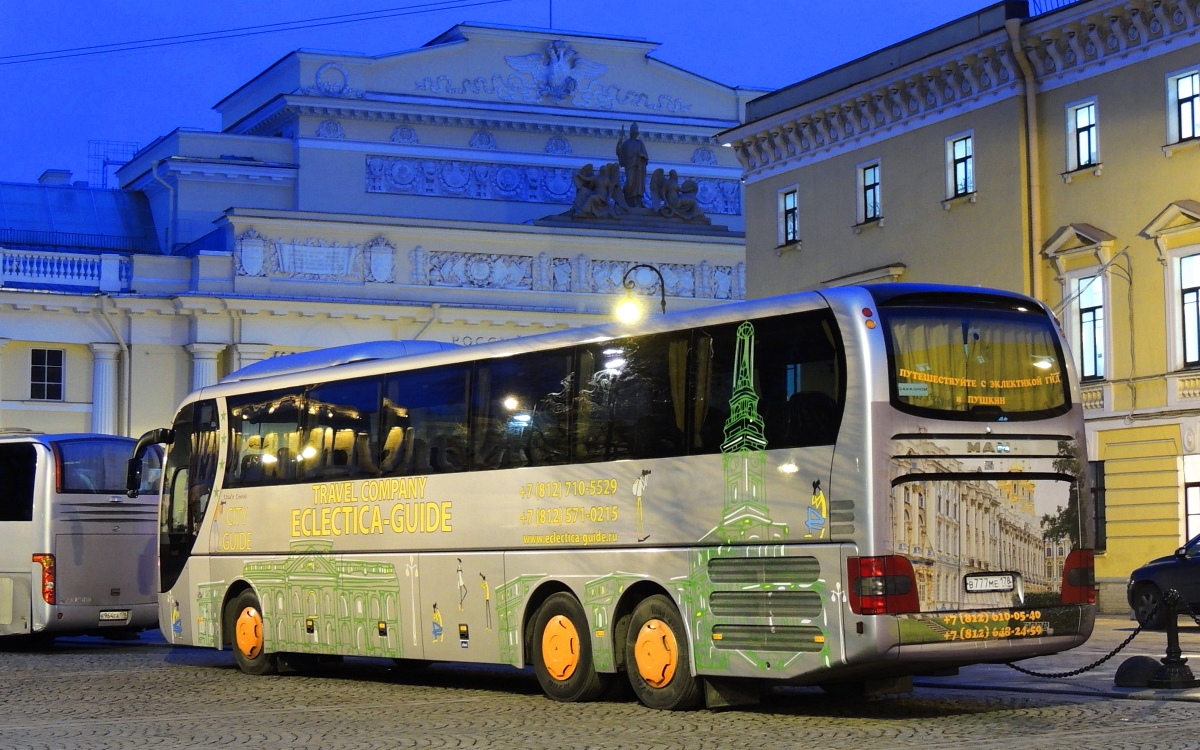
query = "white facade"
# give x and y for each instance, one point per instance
(421, 195)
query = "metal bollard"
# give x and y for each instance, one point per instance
(1174, 673)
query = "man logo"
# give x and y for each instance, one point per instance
(988, 447)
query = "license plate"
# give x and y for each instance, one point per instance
(977, 584)
(114, 614)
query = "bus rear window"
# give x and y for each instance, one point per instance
(93, 466)
(987, 364)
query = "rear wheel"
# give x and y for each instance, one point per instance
(245, 621)
(1148, 606)
(562, 651)
(657, 657)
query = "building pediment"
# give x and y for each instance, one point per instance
(1177, 224)
(490, 66)
(1072, 241)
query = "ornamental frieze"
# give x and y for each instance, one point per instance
(579, 274)
(377, 261)
(446, 178)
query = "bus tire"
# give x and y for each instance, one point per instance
(658, 658)
(248, 635)
(562, 652)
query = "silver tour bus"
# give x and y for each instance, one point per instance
(841, 488)
(79, 556)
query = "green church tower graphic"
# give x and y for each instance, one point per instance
(746, 530)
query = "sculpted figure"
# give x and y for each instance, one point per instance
(632, 156)
(679, 201)
(585, 188)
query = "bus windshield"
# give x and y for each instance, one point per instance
(988, 363)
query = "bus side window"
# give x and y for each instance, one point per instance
(341, 428)
(265, 434)
(634, 403)
(17, 464)
(424, 420)
(798, 373)
(522, 409)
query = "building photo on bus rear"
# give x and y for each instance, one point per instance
(79, 555)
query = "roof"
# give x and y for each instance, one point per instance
(73, 217)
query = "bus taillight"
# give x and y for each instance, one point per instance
(882, 585)
(1079, 577)
(47, 563)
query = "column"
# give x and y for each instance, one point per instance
(3, 343)
(105, 384)
(204, 363)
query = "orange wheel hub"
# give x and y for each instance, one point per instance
(560, 647)
(249, 632)
(657, 653)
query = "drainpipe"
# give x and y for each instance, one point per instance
(1034, 178)
(126, 388)
(433, 318)
(170, 206)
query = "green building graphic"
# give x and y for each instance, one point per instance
(509, 600)
(315, 602)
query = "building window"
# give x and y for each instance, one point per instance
(46, 369)
(1096, 475)
(1191, 499)
(1189, 299)
(960, 163)
(1083, 148)
(870, 206)
(1183, 115)
(789, 217)
(1090, 324)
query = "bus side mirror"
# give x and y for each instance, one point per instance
(133, 470)
(133, 477)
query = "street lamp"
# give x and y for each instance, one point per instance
(628, 310)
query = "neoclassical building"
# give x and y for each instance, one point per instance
(1056, 154)
(458, 192)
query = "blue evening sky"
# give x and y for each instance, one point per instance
(53, 106)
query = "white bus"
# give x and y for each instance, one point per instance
(839, 488)
(78, 556)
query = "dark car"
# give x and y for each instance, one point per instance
(1148, 584)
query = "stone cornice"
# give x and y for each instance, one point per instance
(1061, 46)
(349, 111)
(1069, 44)
(932, 87)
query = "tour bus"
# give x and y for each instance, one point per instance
(842, 488)
(78, 556)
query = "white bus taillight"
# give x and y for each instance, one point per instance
(882, 585)
(47, 563)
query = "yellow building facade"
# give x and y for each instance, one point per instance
(1053, 154)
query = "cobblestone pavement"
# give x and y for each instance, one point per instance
(89, 693)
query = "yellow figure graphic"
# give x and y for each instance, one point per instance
(818, 513)
(639, 487)
(487, 602)
(437, 623)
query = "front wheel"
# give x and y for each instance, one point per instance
(245, 621)
(1149, 607)
(562, 651)
(658, 659)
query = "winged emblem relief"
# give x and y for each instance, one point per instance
(558, 72)
(559, 75)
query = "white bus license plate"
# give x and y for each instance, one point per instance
(977, 584)
(108, 615)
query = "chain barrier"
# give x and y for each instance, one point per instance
(1171, 597)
